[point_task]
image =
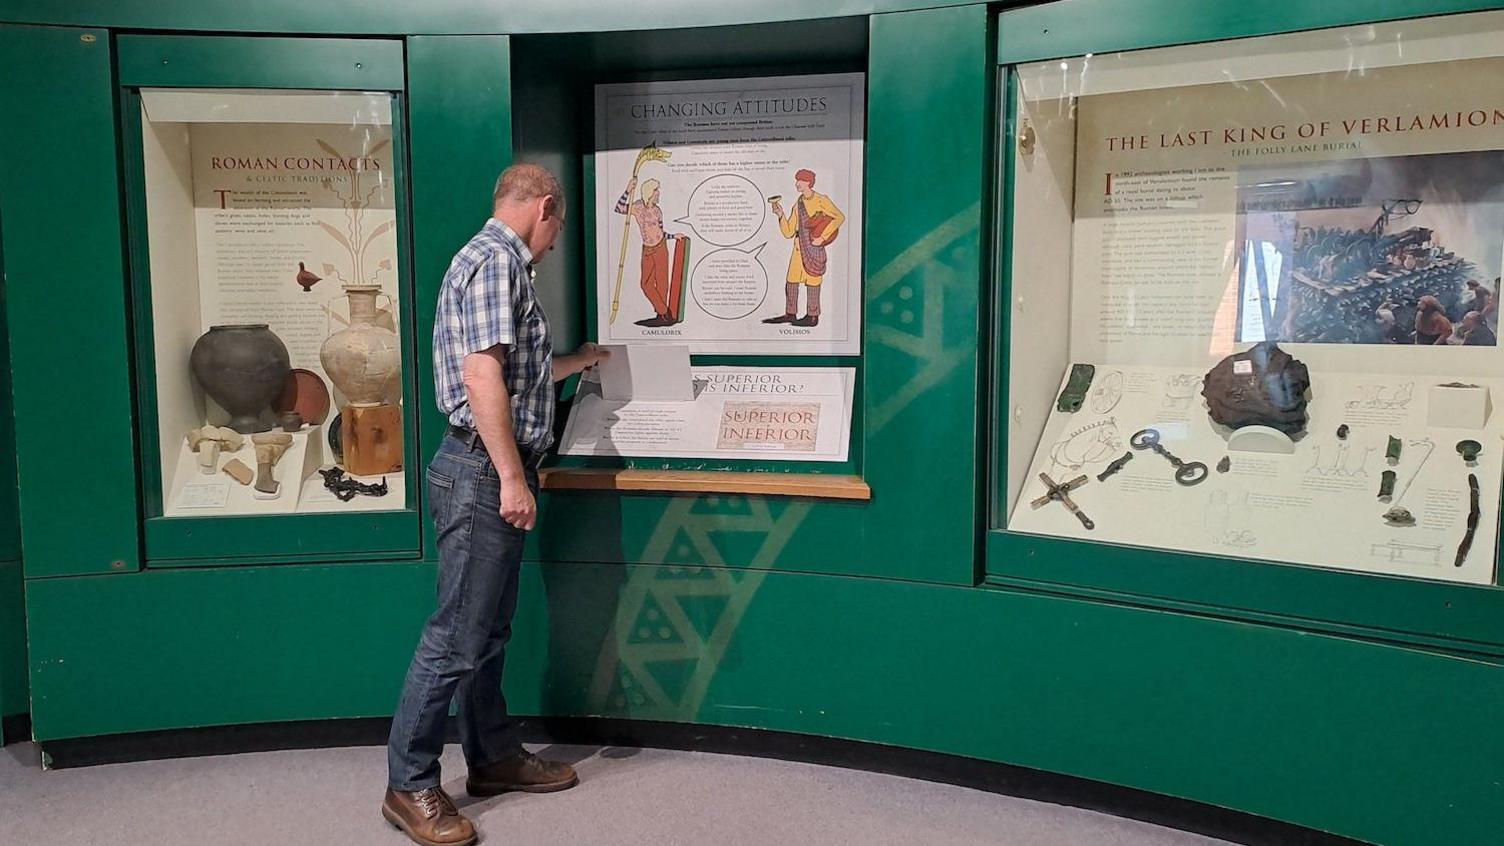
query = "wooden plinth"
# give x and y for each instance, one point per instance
(812, 485)
(371, 437)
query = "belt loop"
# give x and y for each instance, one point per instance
(473, 439)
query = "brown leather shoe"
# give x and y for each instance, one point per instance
(428, 817)
(525, 772)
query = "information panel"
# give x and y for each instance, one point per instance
(728, 214)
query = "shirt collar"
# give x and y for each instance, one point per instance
(505, 233)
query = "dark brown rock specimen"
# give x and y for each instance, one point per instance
(1263, 386)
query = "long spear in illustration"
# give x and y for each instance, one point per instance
(650, 153)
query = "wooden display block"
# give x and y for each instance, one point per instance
(811, 485)
(371, 437)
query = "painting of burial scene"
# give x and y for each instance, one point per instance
(1394, 250)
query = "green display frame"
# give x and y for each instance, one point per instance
(856, 438)
(226, 62)
(1436, 614)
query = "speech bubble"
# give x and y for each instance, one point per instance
(729, 283)
(725, 210)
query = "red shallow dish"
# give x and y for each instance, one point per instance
(304, 392)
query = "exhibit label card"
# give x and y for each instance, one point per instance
(786, 414)
(728, 213)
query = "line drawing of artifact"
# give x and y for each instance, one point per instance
(1186, 472)
(1383, 396)
(1180, 388)
(1226, 520)
(1090, 444)
(1344, 461)
(1061, 493)
(1399, 552)
(1107, 393)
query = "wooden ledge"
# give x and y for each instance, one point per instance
(814, 485)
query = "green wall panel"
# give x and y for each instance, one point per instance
(1077, 27)
(927, 128)
(460, 131)
(13, 682)
(66, 292)
(1385, 743)
(433, 16)
(239, 62)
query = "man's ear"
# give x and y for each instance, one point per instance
(550, 206)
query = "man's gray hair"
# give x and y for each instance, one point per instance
(527, 181)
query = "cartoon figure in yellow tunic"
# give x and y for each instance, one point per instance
(814, 224)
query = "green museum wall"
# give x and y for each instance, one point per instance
(861, 621)
(14, 685)
(1381, 742)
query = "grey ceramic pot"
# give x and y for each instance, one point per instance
(242, 367)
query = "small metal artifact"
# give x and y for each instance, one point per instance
(1225, 464)
(1076, 388)
(1115, 466)
(1473, 513)
(1399, 516)
(345, 488)
(1342, 432)
(1386, 486)
(1058, 492)
(1186, 473)
(1393, 451)
(1469, 451)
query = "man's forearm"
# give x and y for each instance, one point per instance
(492, 409)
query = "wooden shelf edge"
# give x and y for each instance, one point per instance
(812, 485)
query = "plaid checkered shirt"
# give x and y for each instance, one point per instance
(488, 299)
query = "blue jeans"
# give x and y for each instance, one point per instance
(463, 648)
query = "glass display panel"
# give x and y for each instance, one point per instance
(1252, 298)
(274, 301)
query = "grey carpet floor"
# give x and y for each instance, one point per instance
(627, 797)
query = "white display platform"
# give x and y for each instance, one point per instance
(1318, 505)
(195, 494)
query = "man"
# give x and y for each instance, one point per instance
(655, 272)
(813, 224)
(1431, 323)
(1474, 331)
(493, 376)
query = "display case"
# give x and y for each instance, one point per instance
(716, 243)
(272, 329)
(1249, 310)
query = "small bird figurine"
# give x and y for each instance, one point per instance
(307, 278)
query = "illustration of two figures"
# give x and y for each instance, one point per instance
(813, 224)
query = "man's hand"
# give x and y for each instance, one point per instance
(818, 242)
(587, 356)
(517, 504)
(631, 184)
(591, 354)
